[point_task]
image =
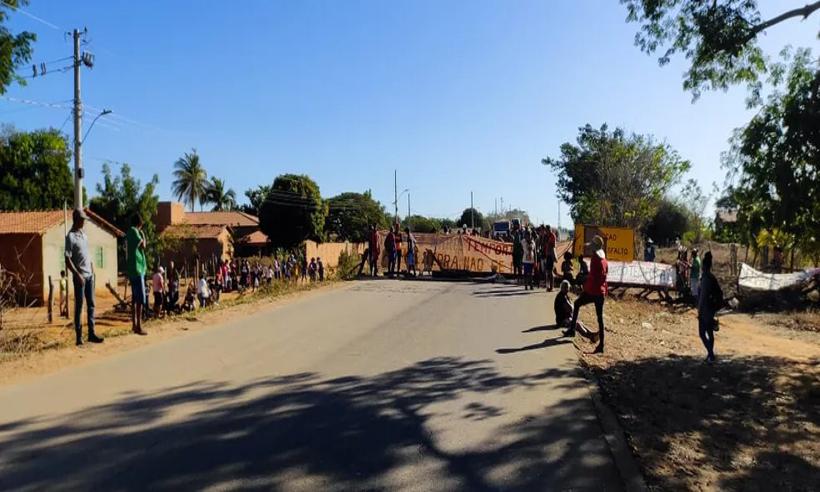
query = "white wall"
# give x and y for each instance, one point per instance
(101, 244)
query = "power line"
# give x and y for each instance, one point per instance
(36, 103)
(32, 16)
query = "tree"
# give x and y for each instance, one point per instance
(469, 215)
(15, 50)
(694, 202)
(34, 172)
(610, 178)
(420, 223)
(776, 159)
(293, 211)
(350, 214)
(255, 196)
(719, 37)
(119, 198)
(216, 194)
(190, 180)
(670, 221)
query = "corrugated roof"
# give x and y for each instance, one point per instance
(232, 218)
(40, 221)
(195, 231)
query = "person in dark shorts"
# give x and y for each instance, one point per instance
(550, 257)
(517, 254)
(135, 266)
(709, 303)
(595, 290)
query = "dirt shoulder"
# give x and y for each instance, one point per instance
(116, 329)
(751, 421)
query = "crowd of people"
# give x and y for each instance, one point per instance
(164, 284)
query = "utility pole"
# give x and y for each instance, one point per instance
(78, 125)
(408, 208)
(396, 193)
(472, 212)
(496, 207)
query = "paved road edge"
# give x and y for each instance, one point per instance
(614, 436)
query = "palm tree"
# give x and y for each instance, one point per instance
(191, 180)
(216, 194)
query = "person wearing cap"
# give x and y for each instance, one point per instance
(78, 261)
(158, 287)
(135, 269)
(649, 251)
(595, 290)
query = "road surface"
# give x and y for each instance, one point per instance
(377, 385)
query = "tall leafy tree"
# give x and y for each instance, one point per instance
(15, 49)
(611, 178)
(34, 170)
(293, 211)
(217, 195)
(670, 222)
(190, 180)
(256, 196)
(469, 216)
(776, 159)
(718, 37)
(420, 223)
(350, 214)
(121, 196)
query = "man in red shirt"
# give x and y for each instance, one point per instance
(375, 250)
(595, 290)
(550, 257)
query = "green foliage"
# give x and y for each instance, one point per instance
(34, 171)
(350, 215)
(255, 196)
(15, 49)
(420, 223)
(119, 198)
(718, 37)
(293, 211)
(670, 221)
(348, 266)
(470, 214)
(216, 194)
(190, 180)
(609, 178)
(448, 223)
(775, 159)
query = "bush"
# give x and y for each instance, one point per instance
(348, 266)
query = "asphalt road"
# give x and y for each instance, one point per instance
(378, 385)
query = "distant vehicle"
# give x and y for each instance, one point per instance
(501, 227)
(516, 223)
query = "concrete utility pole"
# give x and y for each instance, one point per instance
(472, 212)
(396, 193)
(78, 125)
(408, 208)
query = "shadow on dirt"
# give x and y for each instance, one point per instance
(751, 420)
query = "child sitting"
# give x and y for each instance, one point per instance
(566, 267)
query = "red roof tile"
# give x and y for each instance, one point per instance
(256, 238)
(191, 231)
(40, 221)
(233, 218)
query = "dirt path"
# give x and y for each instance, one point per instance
(749, 422)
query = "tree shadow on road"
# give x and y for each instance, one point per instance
(333, 434)
(744, 423)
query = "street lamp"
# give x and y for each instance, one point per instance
(103, 113)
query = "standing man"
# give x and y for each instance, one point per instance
(135, 269)
(595, 290)
(390, 251)
(694, 273)
(375, 250)
(649, 251)
(550, 267)
(709, 303)
(517, 253)
(78, 261)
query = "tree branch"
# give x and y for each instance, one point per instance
(803, 12)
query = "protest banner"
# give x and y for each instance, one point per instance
(641, 274)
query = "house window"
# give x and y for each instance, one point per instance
(100, 257)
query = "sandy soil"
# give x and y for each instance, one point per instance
(116, 328)
(751, 421)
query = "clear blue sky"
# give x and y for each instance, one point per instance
(456, 95)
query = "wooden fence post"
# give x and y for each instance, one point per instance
(50, 300)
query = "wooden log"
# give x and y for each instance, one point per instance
(50, 300)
